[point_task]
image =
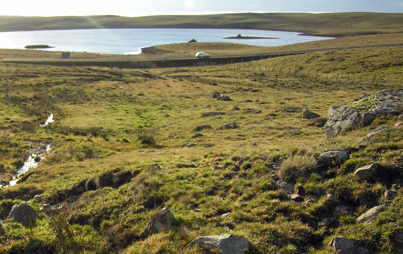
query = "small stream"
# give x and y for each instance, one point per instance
(33, 160)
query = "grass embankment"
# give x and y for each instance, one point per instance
(116, 120)
(333, 24)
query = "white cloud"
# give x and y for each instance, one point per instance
(189, 3)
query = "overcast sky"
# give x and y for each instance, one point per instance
(152, 7)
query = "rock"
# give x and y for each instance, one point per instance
(23, 213)
(333, 158)
(344, 245)
(227, 244)
(367, 172)
(209, 114)
(154, 167)
(252, 111)
(285, 187)
(390, 195)
(398, 243)
(317, 122)
(235, 108)
(370, 214)
(374, 133)
(307, 114)
(341, 209)
(202, 127)
(296, 198)
(216, 95)
(224, 98)
(188, 144)
(399, 124)
(363, 111)
(159, 222)
(192, 41)
(38, 198)
(291, 109)
(121, 177)
(229, 126)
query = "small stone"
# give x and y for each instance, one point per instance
(161, 221)
(236, 108)
(38, 198)
(188, 144)
(343, 245)
(201, 128)
(226, 244)
(209, 114)
(307, 114)
(399, 124)
(332, 158)
(229, 126)
(390, 195)
(296, 198)
(370, 214)
(285, 187)
(225, 215)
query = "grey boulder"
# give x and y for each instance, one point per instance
(23, 213)
(227, 244)
(159, 222)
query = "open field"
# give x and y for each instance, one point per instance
(214, 180)
(333, 24)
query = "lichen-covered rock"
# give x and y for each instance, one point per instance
(363, 111)
(160, 222)
(23, 213)
(374, 133)
(227, 244)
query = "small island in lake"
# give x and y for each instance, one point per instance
(38, 46)
(239, 36)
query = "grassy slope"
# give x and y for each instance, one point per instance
(99, 112)
(335, 24)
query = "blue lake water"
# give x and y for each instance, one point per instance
(130, 41)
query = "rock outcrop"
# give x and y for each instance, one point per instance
(227, 244)
(363, 111)
(367, 172)
(332, 158)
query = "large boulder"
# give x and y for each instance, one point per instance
(227, 244)
(363, 111)
(23, 213)
(160, 222)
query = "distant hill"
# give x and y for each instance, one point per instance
(334, 24)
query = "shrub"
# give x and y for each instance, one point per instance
(296, 166)
(146, 136)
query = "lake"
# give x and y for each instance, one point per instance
(130, 41)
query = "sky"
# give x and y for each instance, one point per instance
(158, 7)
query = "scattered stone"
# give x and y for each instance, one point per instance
(159, 222)
(209, 114)
(285, 187)
(341, 209)
(307, 114)
(202, 127)
(252, 111)
(344, 245)
(224, 98)
(217, 167)
(216, 95)
(225, 215)
(154, 167)
(374, 133)
(235, 108)
(370, 214)
(23, 213)
(188, 144)
(38, 198)
(229, 126)
(399, 124)
(291, 109)
(332, 158)
(227, 244)
(390, 195)
(296, 198)
(367, 172)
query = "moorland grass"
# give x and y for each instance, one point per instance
(109, 119)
